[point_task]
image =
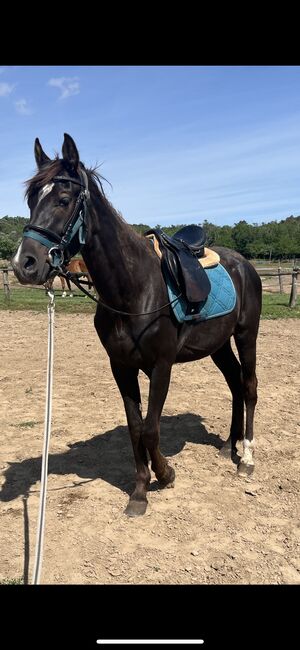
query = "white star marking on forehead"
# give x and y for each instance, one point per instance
(44, 191)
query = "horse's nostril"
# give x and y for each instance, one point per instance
(30, 261)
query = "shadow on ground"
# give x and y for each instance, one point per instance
(107, 456)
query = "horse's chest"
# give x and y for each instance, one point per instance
(121, 345)
(130, 346)
(123, 349)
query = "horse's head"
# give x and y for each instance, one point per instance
(57, 198)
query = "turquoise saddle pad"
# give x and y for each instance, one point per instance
(220, 300)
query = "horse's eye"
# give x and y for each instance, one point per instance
(65, 201)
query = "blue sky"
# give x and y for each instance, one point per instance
(179, 144)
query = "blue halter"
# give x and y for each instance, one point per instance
(56, 244)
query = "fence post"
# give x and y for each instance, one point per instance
(280, 280)
(293, 296)
(6, 284)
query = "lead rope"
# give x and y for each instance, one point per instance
(47, 430)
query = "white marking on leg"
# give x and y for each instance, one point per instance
(247, 457)
(64, 293)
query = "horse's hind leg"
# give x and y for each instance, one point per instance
(63, 286)
(246, 345)
(69, 287)
(127, 380)
(227, 362)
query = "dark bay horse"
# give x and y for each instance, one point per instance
(69, 212)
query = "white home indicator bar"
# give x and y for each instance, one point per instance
(150, 641)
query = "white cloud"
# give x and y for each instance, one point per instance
(5, 89)
(22, 107)
(67, 85)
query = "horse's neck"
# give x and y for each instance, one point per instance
(115, 257)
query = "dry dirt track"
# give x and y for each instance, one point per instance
(211, 528)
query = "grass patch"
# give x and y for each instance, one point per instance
(26, 425)
(274, 264)
(12, 581)
(276, 305)
(36, 300)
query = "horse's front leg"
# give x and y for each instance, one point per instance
(159, 385)
(127, 380)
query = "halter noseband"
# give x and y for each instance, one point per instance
(58, 245)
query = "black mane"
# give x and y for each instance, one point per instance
(57, 167)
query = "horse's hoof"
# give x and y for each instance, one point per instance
(245, 470)
(136, 508)
(168, 478)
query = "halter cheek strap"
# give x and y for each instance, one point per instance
(59, 245)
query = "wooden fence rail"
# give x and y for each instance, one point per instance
(279, 273)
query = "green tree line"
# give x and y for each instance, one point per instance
(273, 240)
(11, 229)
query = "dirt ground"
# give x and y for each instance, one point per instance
(213, 527)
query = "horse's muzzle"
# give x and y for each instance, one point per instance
(30, 266)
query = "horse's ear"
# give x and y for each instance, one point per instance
(70, 153)
(40, 156)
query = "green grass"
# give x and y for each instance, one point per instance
(26, 425)
(274, 264)
(275, 305)
(36, 300)
(13, 581)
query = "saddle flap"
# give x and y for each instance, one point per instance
(195, 281)
(180, 260)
